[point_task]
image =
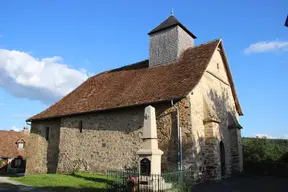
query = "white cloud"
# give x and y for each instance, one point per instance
(267, 46)
(45, 79)
(15, 129)
(260, 135)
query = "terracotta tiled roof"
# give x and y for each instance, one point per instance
(136, 84)
(8, 146)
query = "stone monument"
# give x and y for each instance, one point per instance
(150, 154)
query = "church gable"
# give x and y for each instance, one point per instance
(216, 67)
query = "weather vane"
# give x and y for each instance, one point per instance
(286, 23)
(172, 13)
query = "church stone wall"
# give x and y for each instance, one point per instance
(110, 140)
(213, 94)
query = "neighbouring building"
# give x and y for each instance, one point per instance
(98, 125)
(12, 150)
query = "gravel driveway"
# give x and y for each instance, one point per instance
(246, 184)
(7, 185)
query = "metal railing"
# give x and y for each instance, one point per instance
(131, 180)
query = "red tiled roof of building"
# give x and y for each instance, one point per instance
(8, 143)
(138, 84)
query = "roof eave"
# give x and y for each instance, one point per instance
(107, 109)
(234, 93)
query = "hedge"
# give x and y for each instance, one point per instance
(265, 150)
(265, 156)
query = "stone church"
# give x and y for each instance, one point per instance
(99, 125)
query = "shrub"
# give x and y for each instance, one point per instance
(263, 149)
(284, 158)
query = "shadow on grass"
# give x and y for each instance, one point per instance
(8, 187)
(109, 184)
(95, 179)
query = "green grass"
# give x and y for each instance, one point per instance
(77, 180)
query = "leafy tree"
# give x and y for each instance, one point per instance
(264, 149)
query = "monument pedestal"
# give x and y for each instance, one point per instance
(152, 183)
(150, 155)
(150, 161)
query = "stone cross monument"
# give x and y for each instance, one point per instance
(150, 154)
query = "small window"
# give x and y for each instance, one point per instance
(80, 126)
(20, 146)
(217, 65)
(47, 133)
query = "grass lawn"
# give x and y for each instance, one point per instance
(61, 182)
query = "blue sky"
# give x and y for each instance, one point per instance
(49, 47)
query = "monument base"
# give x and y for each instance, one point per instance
(153, 183)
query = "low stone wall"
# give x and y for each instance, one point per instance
(36, 150)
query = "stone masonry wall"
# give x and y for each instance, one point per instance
(110, 140)
(167, 132)
(214, 92)
(236, 150)
(45, 152)
(36, 150)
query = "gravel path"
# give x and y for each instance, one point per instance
(7, 185)
(245, 184)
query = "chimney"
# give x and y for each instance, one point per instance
(26, 130)
(168, 40)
